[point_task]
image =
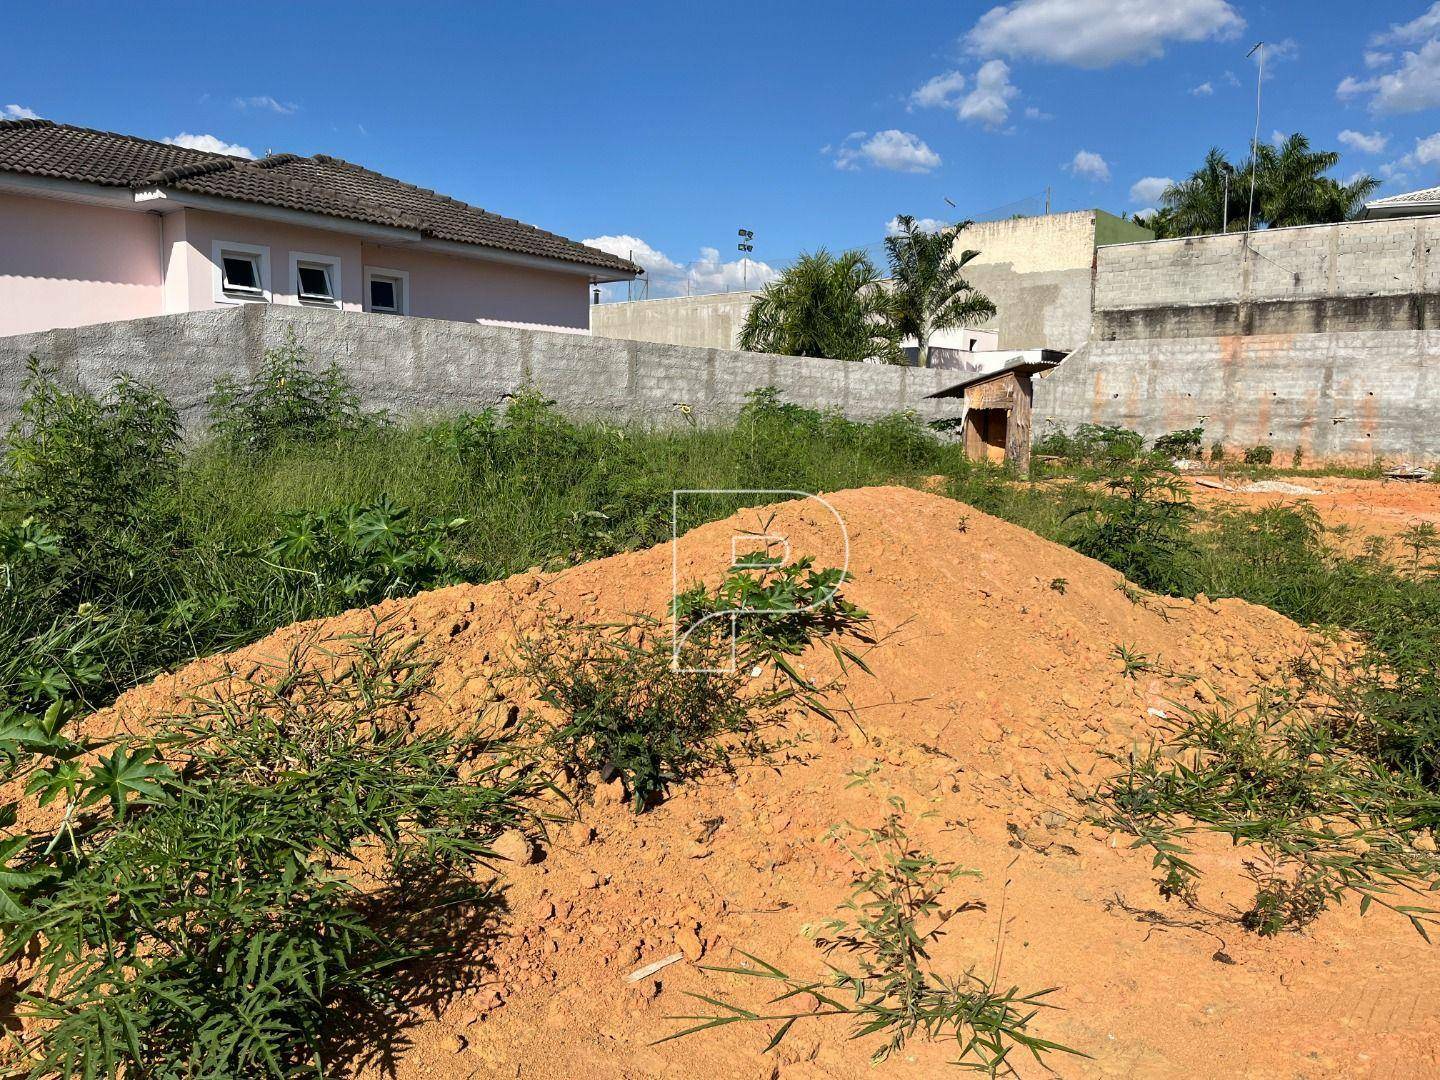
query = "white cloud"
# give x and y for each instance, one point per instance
(1411, 87)
(704, 274)
(898, 151)
(1375, 59)
(20, 112)
(1034, 112)
(1278, 137)
(1415, 30)
(210, 144)
(1373, 143)
(927, 224)
(1205, 89)
(1089, 164)
(1231, 79)
(1426, 152)
(266, 102)
(989, 102)
(1148, 189)
(1277, 52)
(939, 92)
(1099, 33)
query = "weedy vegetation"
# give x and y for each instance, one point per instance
(188, 906)
(658, 706)
(889, 987)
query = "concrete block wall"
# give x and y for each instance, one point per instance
(1359, 275)
(430, 366)
(1340, 397)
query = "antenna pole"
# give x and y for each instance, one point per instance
(1255, 139)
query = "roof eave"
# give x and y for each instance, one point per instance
(1409, 209)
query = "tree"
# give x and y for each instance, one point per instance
(1291, 188)
(824, 305)
(1198, 204)
(927, 292)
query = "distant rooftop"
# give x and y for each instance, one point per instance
(319, 185)
(1406, 204)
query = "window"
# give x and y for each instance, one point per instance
(387, 291)
(315, 279)
(241, 273)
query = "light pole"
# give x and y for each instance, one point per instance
(745, 247)
(1255, 139)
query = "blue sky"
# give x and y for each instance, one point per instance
(664, 128)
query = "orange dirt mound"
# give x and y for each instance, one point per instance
(993, 697)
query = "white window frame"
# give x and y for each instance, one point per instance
(402, 276)
(218, 250)
(330, 263)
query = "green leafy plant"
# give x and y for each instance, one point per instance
(363, 554)
(889, 923)
(1323, 820)
(1259, 455)
(285, 401)
(629, 702)
(1180, 444)
(1140, 526)
(199, 915)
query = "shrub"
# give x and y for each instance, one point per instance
(656, 712)
(1140, 527)
(285, 401)
(361, 555)
(1281, 779)
(1180, 444)
(206, 924)
(1260, 455)
(83, 465)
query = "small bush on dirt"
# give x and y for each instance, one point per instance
(1092, 444)
(1323, 819)
(1180, 444)
(284, 402)
(630, 702)
(1259, 455)
(893, 916)
(193, 912)
(1141, 527)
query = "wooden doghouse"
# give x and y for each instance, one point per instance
(997, 408)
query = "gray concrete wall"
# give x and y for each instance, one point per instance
(1343, 397)
(1359, 275)
(429, 366)
(1036, 309)
(711, 321)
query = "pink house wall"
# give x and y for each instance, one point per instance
(71, 264)
(470, 290)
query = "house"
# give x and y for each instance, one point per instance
(96, 227)
(1407, 204)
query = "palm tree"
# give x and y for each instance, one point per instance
(927, 292)
(1291, 187)
(824, 305)
(1212, 199)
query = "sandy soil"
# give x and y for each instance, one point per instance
(994, 696)
(1382, 508)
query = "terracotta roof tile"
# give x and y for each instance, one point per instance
(320, 185)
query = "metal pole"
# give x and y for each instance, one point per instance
(1225, 207)
(1255, 139)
